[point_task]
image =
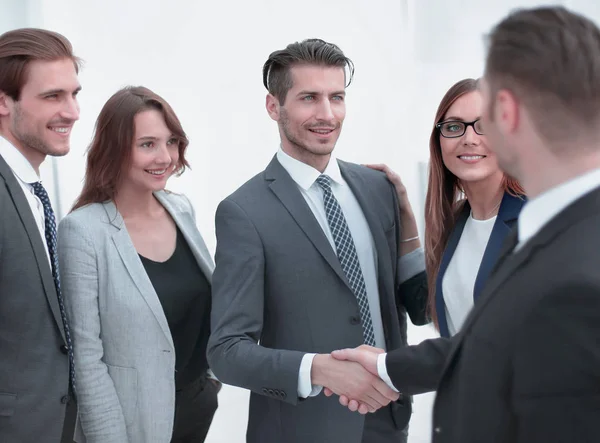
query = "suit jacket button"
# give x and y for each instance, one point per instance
(437, 430)
(64, 349)
(65, 399)
(283, 394)
(270, 391)
(265, 391)
(355, 320)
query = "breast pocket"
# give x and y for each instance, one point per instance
(125, 381)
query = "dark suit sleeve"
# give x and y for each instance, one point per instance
(238, 306)
(556, 386)
(418, 369)
(412, 294)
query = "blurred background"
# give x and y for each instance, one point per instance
(205, 58)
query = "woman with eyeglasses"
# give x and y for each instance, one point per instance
(470, 208)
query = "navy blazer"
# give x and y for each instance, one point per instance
(510, 207)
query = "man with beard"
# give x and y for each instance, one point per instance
(312, 254)
(38, 107)
(526, 365)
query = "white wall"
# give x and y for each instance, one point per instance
(206, 57)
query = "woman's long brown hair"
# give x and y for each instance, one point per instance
(444, 192)
(109, 154)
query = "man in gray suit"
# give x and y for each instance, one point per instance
(38, 107)
(309, 260)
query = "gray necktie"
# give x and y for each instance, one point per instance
(346, 252)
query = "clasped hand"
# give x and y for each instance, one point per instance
(352, 374)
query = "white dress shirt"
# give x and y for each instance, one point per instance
(25, 175)
(540, 210)
(458, 283)
(536, 213)
(305, 177)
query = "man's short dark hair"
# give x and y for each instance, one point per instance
(19, 47)
(550, 59)
(276, 70)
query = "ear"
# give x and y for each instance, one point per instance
(272, 104)
(508, 110)
(6, 104)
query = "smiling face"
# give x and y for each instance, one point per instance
(311, 119)
(40, 122)
(155, 153)
(468, 156)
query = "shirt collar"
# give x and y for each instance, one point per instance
(305, 175)
(17, 162)
(540, 210)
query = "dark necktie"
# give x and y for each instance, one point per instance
(50, 230)
(346, 252)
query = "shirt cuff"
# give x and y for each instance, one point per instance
(305, 386)
(410, 265)
(382, 371)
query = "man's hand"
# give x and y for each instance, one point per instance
(366, 356)
(350, 380)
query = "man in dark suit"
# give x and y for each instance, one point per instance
(38, 107)
(526, 365)
(312, 254)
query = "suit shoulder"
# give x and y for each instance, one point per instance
(366, 173)
(91, 216)
(250, 189)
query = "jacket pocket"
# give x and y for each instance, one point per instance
(125, 381)
(8, 402)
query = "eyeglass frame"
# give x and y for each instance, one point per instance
(467, 124)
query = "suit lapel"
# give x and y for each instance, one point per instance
(507, 215)
(367, 200)
(135, 268)
(187, 226)
(36, 241)
(286, 190)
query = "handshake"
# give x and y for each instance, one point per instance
(352, 374)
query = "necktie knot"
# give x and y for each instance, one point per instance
(40, 192)
(324, 182)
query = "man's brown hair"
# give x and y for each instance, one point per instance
(549, 58)
(276, 70)
(19, 47)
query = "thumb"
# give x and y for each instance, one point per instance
(341, 354)
(371, 349)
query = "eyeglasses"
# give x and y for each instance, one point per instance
(455, 128)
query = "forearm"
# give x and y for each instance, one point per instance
(99, 409)
(417, 369)
(242, 362)
(409, 232)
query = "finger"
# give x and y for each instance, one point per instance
(364, 409)
(328, 392)
(378, 166)
(345, 354)
(344, 401)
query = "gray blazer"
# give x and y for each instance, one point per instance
(124, 354)
(34, 368)
(279, 282)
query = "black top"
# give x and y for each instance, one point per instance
(184, 293)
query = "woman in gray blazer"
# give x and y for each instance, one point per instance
(136, 276)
